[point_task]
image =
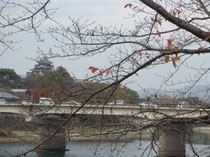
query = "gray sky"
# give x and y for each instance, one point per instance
(107, 13)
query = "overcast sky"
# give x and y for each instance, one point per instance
(107, 13)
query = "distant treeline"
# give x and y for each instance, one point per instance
(59, 86)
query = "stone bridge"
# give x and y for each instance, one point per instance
(171, 141)
(137, 111)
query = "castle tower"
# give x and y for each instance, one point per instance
(43, 65)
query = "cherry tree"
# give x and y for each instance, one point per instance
(163, 32)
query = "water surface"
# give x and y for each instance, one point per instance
(134, 148)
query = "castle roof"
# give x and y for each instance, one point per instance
(44, 61)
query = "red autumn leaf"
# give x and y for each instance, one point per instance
(174, 13)
(128, 5)
(174, 62)
(200, 48)
(107, 72)
(167, 58)
(158, 33)
(148, 57)
(94, 70)
(90, 67)
(152, 19)
(101, 73)
(176, 48)
(156, 96)
(160, 22)
(135, 8)
(136, 74)
(170, 42)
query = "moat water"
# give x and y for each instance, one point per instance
(134, 148)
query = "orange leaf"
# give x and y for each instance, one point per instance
(200, 48)
(176, 58)
(107, 72)
(94, 70)
(176, 48)
(128, 5)
(170, 41)
(160, 22)
(167, 59)
(148, 57)
(158, 33)
(90, 67)
(152, 19)
(170, 44)
(174, 62)
(174, 13)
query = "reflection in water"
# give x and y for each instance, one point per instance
(107, 149)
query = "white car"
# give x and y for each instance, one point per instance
(46, 101)
(117, 102)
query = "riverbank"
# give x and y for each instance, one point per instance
(22, 136)
(18, 136)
